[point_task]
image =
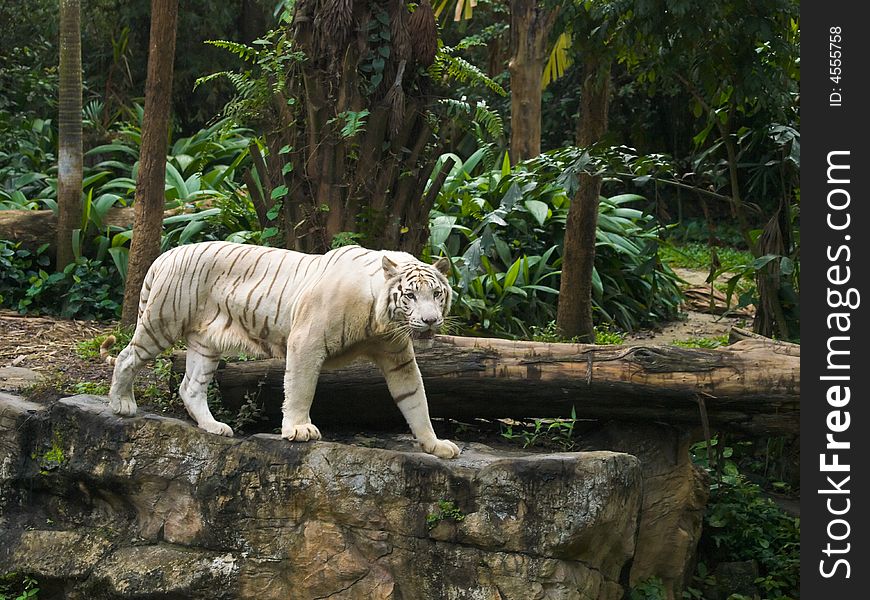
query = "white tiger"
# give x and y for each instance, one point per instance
(317, 310)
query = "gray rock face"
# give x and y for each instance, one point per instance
(100, 507)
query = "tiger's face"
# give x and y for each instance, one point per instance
(418, 296)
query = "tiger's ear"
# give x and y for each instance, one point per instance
(443, 265)
(390, 267)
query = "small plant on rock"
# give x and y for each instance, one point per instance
(446, 510)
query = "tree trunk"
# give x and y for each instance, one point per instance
(751, 386)
(574, 314)
(353, 121)
(530, 38)
(149, 201)
(69, 162)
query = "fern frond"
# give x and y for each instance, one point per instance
(447, 66)
(480, 113)
(243, 51)
(484, 36)
(211, 77)
(244, 84)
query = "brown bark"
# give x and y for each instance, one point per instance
(751, 386)
(369, 182)
(574, 313)
(69, 164)
(149, 201)
(530, 43)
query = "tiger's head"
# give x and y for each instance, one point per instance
(418, 296)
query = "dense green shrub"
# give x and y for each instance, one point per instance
(86, 289)
(741, 523)
(505, 230)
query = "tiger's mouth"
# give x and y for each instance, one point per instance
(426, 334)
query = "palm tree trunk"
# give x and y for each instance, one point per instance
(69, 163)
(149, 201)
(574, 314)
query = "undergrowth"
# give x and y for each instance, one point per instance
(703, 342)
(743, 524)
(604, 335)
(699, 256)
(17, 586)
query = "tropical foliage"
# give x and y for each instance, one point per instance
(504, 229)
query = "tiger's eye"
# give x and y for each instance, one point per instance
(410, 296)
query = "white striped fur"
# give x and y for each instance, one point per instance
(315, 310)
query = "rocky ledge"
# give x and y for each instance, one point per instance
(101, 507)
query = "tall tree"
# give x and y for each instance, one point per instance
(596, 33)
(69, 163)
(574, 314)
(738, 60)
(530, 28)
(149, 199)
(344, 95)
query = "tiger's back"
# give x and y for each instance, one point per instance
(245, 297)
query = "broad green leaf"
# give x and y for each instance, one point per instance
(279, 192)
(760, 262)
(175, 181)
(512, 273)
(191, 216)
(120, 255)
(109, 148)
(511, 197)
(542, 288)
(597, 286)
(538, 209)
(440, 229)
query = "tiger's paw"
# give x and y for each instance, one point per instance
(217, 428)
(124, 406)
(442, 449)
(300, 433)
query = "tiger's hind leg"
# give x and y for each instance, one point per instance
(130, 360)
(202, 362)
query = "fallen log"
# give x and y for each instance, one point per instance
(751, 386)
(35, 227)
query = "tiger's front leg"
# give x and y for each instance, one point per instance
(304, 361)
(406, 386)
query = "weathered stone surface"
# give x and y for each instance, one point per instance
(675, 495)
(59, 554)
(13, 378)
(166, 510)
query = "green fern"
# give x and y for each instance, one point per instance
(447, 66)
(480, 113)
(242, 82)
(243, 51)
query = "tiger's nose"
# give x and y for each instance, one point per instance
(430, 320)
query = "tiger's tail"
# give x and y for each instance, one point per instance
(104, 350)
